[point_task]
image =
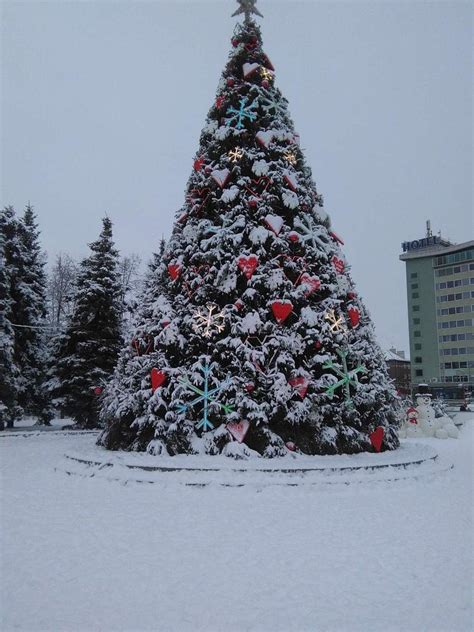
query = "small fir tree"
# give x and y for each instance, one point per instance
(251, 338)
(88, 350)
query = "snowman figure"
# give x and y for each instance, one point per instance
(426, 413)
(441, 427)
(413, 428)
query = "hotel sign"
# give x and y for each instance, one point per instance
(417, 244)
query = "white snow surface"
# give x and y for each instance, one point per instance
(88, 554)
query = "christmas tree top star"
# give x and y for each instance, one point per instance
(247, 7)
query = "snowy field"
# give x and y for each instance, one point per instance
(86, 554)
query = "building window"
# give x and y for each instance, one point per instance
(462, 350)
(417, 334)
(417, 346)
(414, 286)
(419, 372)
(418, 360)
(415, 295)
(416, 308)
(416, 321)
(414, 275)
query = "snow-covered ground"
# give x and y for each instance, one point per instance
(86, 554)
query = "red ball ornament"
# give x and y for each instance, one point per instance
(198, 163)
(253, 203)
(230, 82)
(317, 344)
(98, 390)
(293, 236)
(265, 83)
(250, 387)
(235, 42)
(291, 446)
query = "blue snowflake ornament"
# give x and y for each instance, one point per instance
(205, 396)
(244, 112)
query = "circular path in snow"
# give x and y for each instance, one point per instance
(411, 460)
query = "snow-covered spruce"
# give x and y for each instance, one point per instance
(8, 370)
(26, 313)
(87, 351)
(287, 346)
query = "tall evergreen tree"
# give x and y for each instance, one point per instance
(253, 339)
(8, 370)
(88, 350)
(30, 312)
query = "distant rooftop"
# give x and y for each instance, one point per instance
(430, 245)
(395, 356)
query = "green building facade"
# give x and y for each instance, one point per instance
(440, 292)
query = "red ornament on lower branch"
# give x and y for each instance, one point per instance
(238, 430)
(376, 438)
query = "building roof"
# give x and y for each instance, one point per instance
(435, 250)
(394, 356)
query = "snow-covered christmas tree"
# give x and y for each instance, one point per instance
(251, 338)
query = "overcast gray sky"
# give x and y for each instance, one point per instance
(103, 104)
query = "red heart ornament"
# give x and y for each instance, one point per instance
(248, 265)
(157, 379)
(300, 384)
(238, 431)
(248, 69)
(376, 438)
(174, 270)
(220, 102)
(291, 180)
(312, 283)
(338, 264)
(274, 223)
(220, 176)
(281, 310)
(354, 315)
